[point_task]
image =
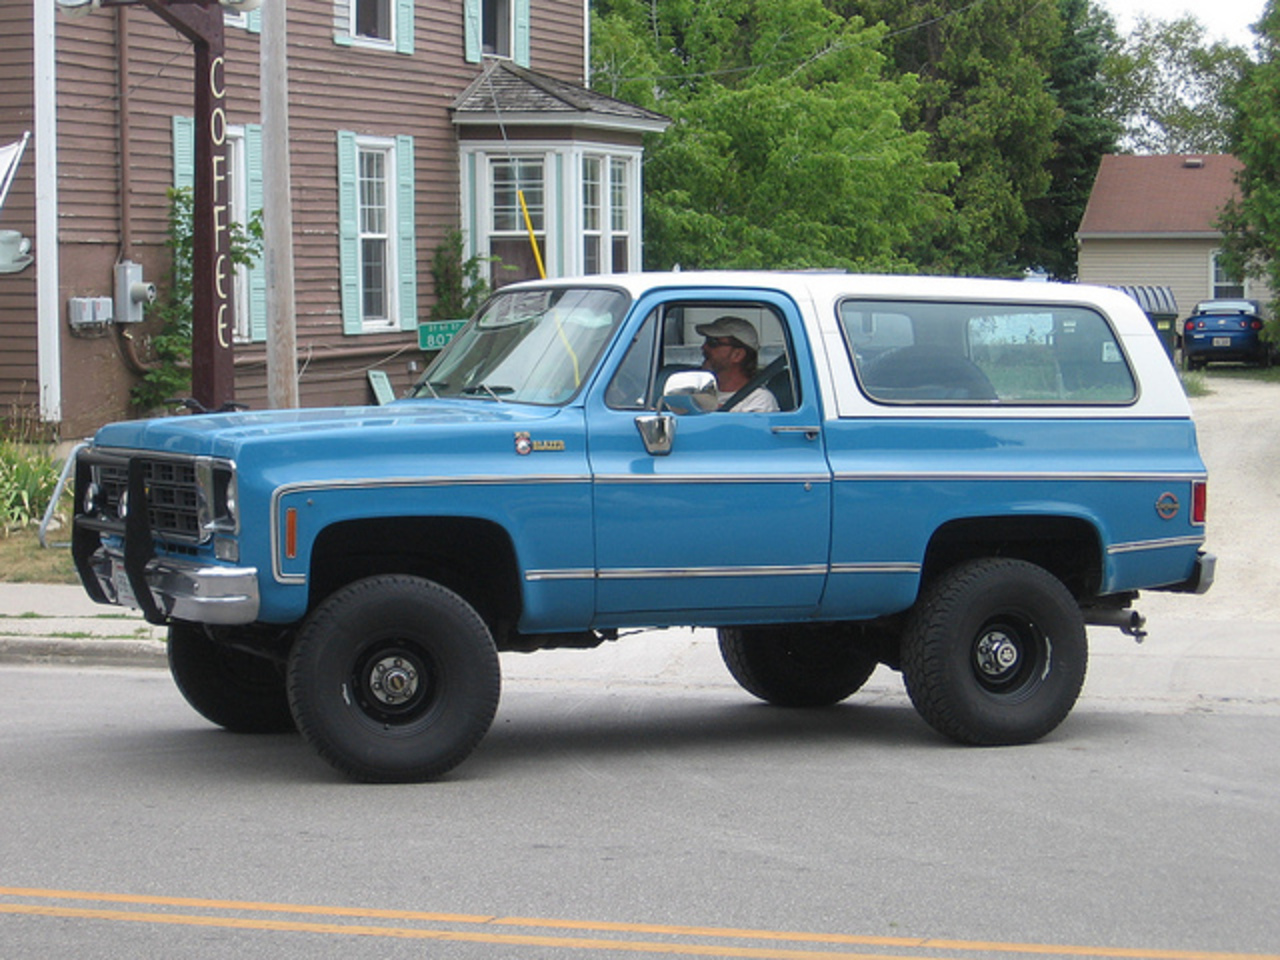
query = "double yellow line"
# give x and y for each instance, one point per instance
(685, 941)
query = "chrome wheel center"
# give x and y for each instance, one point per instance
(393, 680)
(997, 654)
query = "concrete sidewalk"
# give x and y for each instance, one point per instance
(58, 623)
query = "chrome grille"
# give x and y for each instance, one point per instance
(173, 501)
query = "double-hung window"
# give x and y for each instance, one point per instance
(513, 179)
(374, 23)
(1225, 286)
(607, 214)
(243, 193)
(376, 233)
(496, 28)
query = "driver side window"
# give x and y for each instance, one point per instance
(672, 338)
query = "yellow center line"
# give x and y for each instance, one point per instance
(582, 943)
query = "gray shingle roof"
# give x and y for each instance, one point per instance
(511, 94)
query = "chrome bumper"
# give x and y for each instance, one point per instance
(201, 593)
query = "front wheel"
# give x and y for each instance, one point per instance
(995, 653)
(233, 688)
(394, 679)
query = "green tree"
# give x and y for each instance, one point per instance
(987, 104)
(787, 146)
(1085, 133)
(1251, 223)
(1172, 87)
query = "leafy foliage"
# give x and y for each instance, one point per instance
(1172, 87)
(27, 480)
(169, 371)
(787, 147)
(459, 284)
(1251, 224)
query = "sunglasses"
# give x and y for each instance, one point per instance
(712, 342)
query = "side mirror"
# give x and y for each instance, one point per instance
(687, 392)
(690, 391)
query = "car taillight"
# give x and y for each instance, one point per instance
(1191, 325)
(1257, 324)
(1199, 501)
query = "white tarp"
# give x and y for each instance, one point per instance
(10, 157)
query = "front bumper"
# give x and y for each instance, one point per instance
(178, 589)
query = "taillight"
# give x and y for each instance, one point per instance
(1191, 325)
(1199, 501)
(1257, 324)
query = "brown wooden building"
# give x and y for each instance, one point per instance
(407, 119)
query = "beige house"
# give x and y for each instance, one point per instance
(1151, 221)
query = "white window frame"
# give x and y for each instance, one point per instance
(561, 237)
(504, 17)
(1215, 283)
(366, 39)
(386, 148)
(237, 177)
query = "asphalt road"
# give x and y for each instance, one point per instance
(632, 801)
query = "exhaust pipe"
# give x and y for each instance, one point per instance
(1126, 620)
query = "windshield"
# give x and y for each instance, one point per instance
(527, 346)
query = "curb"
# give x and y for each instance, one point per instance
(85, 653)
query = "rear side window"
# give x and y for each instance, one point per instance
(985, 353)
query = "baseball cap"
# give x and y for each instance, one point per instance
(741, 330)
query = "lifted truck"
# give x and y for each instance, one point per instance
(957, 477)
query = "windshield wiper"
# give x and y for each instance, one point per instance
(484, 388)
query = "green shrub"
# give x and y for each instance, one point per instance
(28, 477)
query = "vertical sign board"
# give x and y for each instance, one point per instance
(212, 322)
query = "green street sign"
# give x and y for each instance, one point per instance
(433, 336)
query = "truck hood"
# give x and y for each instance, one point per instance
(226, 434)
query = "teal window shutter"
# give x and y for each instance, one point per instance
(520, 45)
(472, 30)
(348, 233)
(406, 254)
(256, 275)
(404, 26)
(342, 23)
(253, 21)
(184, 152)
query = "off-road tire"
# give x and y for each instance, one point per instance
(795, 666)
(394, 679)
(230, 687)
(995, 653)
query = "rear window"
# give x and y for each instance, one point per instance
(985, 353)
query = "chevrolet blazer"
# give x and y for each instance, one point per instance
(951, 477)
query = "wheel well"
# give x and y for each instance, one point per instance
(473, 558)
(1067, 547)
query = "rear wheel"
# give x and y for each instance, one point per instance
(394, 679)
(233, 688)
(995, 653)
(793, 666)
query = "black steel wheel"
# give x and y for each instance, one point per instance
(394, 679)
(796, 666)
(995, 653)
(229, 686)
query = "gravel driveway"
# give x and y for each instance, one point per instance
(1239, 430)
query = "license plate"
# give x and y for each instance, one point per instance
(124, 591)
(1222, 341)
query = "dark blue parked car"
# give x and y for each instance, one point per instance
(1224, 330)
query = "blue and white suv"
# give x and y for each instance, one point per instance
(954, 478)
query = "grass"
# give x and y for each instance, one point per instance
(23, 560)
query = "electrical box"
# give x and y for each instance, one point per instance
(132, 292)
(83, 312)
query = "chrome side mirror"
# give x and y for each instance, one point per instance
(687, 392)
(690, 391)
